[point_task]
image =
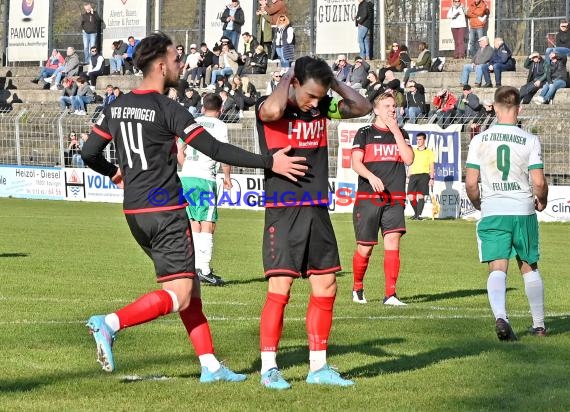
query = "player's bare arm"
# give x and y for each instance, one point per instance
(227, 178)
(539, 188)
(180, 155)
(472, 187)
(353, 104)
(358, 167)
(274, 106)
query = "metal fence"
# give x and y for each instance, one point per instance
(40, 138)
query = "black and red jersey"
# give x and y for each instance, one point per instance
(381, 157)
(144, 125)
(306, 132)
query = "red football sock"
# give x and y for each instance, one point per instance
(391, 270)
(319, 321)
(359, 266)
(144, 309)
(197, 327)
(271, 324)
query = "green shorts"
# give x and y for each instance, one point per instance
(202, 198)
(503, 237)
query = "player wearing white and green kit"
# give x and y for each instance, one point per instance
(198, 176)
(504, 157)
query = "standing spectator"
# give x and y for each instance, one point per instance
(181, 56)
(478, 15)
(90, 25)
(393, 63)
(341, 68)
(363, 21)
(562, 42)
(481, 58)
(69, 68)
(272, 84)
(513, 188)
(422, 64)
(83, 96)
(556, 78)
(249, 45)
(96, 62)
(53, 62)
(284, 41)
(233, 18)
(116, 61)
(298, 238)
(380, 178)
(421, 176)
(415, 102)
(276, 8)
(129, 55)
(458, 24)
(69, 90)
(227, 63)
(537, 73)
(468, 107)
(264, 29)
(444, 107)
(258, 62)
(358, 76)
(501, 61)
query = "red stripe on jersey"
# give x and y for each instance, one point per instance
(323, 271)
(357, 149)
(181, 275)
(140, 91)
(282, 272)
(153, 209)
(193, 130)
(103, 134)
(375, 152)
(298, 133)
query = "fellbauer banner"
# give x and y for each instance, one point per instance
(336, 31)
(28, 30)
(123, 18)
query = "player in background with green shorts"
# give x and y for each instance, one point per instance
(504, 156)
(198, 176)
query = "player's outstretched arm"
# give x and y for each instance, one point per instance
(472, 187)
(539, 188)
(353, 103)
(92, 155)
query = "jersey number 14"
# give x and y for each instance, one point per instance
(130, 144)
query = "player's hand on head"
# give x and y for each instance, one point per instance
(288, 166)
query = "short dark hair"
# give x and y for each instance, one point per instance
(508, 97)
(150, 48)
(212, 101)
(308, 67)
(421, 134)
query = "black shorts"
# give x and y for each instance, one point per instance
(166, 239)
(299, 241)
(368, 218)
(419, 183)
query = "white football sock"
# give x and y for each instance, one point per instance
(207, 248)
(534, 289)
(198, 250)
(175, 304)
(209, 361)
(112, 320)
(497, 291)
(317, 359)
(268, 361)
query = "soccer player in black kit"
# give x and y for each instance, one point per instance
(298, 238)
(145, 126)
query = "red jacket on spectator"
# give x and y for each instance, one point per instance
(445, 102)
(474, 11)
(394, 58)
(55, 60)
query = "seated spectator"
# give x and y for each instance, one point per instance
(181, 57)
(374, 88)
(415, 102)
(258, 62)
(341, 68)
(192, 68)
(117, 92)
(405, 59)
(96, 63)
(537, 70)
(482, 56)
(108, 98)
(129, 55)
(272, 84)
(82, 140)
(227, 63)
(483, 120)
(501, 61)
(393, 87)
(388, 77)
(222, 83)
(230, 111)
(209, 63)
(116, 60)
(249, 45)
(84, 95)
(73, 150)
(358, 76)
(191, 101)
(468, 107)
(556, 78)
(393, 63)
(172, 94)
(69, 90)
(244, 93)
(422, 64)
(444, 108)
(69, 68)
(52, 63)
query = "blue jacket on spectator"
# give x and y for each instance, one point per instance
(131, 48)
(503, 55)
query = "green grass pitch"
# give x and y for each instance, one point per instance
(61, 262)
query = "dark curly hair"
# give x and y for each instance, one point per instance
(150, 48)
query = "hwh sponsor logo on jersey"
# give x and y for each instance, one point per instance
(307, 133)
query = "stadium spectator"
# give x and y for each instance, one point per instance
(249, 45)
(264, 30)
(358, 76)
(209, 59)
(467, 107)
(421, 176)
(562, 41)
(52, 63)
(272, 84)
(537, 73)
(276, 8)
(117, 92)
(341, 68)
(90, 26)
(116, 60)
(192, 68)
(393, 63)
(458, 24)
(363, 22)
(444, 108)
(556, 78)
(96, 66)
(422, 64)
(222, 83)
(198, 177)
(501, 61)
(69, 68)
(299, 240)
(244, 92)
(83, 97)
(478, 15)
(405, 59)
(108, 98)
(393, 88)
(284, 41)
(258, 62)
(483, 120)
(227, 62)
(374, 88)
(508, 226)
(69, 90)
(129, 54)
(482, 57)
(380, 177)
(233, 18)
(163, 231)
(415, 102)
(230, 111)
(191, 101)
(172, 94)
(181, 56)
(72, 152)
